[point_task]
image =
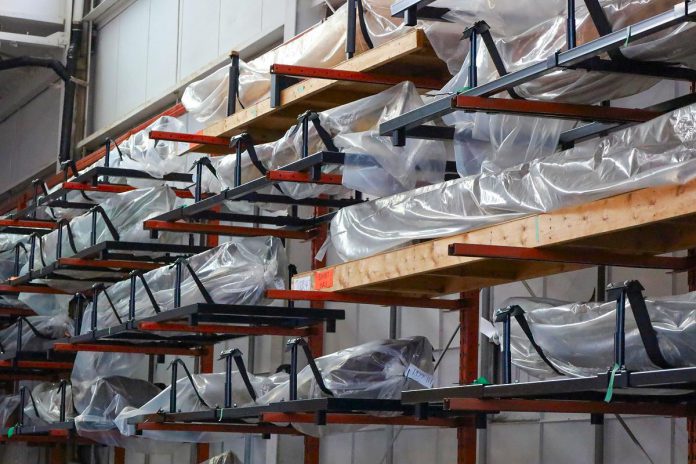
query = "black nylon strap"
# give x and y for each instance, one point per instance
(71, 237)
(107, 221)
(190, 379)
(35, 331)
(150, 296)
(201, 288)
(113, 308)
(522, 321)
(648, 335)
(363, 25)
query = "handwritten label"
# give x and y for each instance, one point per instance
(302, 283)
(423, 378)
(323, 279)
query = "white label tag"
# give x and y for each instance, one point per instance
(423, 378)
(302, 283)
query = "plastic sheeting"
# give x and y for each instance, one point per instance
(236, 272)
(211, 388)
(372, 370)
(372, 164)
(578, 338)
(110, 396)
(323, 46)
(126, 211)
(661, 151)
(48, 329)
(90, 367)
(226, 458)
(47, 398)
(141, 153)
(538, 40)
(8, 406)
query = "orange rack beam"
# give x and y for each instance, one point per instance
(218, 229)
(31, 289)
(221, 329)
(564, 406)
(221, 428)
(48, 365)
(134, 348)
(553, 109)
(114, 188)
(303, 177)
(352, 76)
(304, 295)
(357, 419)
(28, 223)
(110, 264)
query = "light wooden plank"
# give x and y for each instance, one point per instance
(635, 222)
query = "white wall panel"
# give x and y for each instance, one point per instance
(200, 29)
(105, 79)
(162, 43)
(132, 58)
(273, 14)
(29, 138)
(240, 22)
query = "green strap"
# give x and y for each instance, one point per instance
(463, 89)
(628, 36)
(610, 388)
(481, 381)
(221, 413)
(11, 431)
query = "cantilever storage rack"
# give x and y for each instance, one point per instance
(462, 264)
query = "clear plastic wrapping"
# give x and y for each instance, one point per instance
(47, 400)
(225, 458)
(372, 164)
(8, 406)
(578, 338)
(661, 151)
(126, 211)
(322, 46)
(38, 333)
(520, 48)
(375, 370)
(110, 396)
(236, 272)
(211, 388)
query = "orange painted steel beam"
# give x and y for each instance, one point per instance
(110, 264)
(304, 295)
(565, 406)
(195, 228)
(220, 428)
(10, 311)
(221, 329)
(553, 109)
(118, 348)
(30, 289)
(468, 371)
(190, 138)
(28, 223)
(357, 419)
(105, 188)
(570, 255)
(47, 365)
(114, 188)
(353, 76)
(303, 177)
(45, 439)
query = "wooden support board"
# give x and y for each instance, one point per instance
(409, 55)
(647, 221)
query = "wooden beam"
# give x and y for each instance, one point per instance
(407, 56)
(623, 222)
